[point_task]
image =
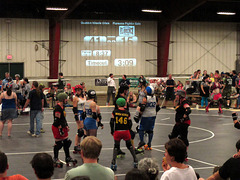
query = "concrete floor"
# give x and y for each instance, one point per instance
(212, 141)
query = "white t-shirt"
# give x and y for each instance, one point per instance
(179, 174)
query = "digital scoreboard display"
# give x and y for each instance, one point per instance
(106, 42)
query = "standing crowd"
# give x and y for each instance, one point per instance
(88, 118)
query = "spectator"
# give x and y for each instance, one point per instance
(205, 74)
(204, 91)
(84, 88)
(69, 91)
(61, 82)
(211, 77)
(217, 75)
(25, 90)
(234, 77)
(170, 84)
(230, 168)
(4, 167)
(18, 88)
(6, 80)
(111, 89)
(124, 82)
(90, 151)
(227, 88)
(42, 164)
(136, 174)
(9, 108)
(150, 167)
(36, 100)
(179, 87)
(237, 82)
(175, 153)
(188, 87)
(235, 99)
(131, 99)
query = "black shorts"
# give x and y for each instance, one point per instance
(170, 95)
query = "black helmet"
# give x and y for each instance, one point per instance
(181, 93)
(91, 94)
(142, 81)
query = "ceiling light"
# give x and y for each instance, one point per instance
(56, 9)
(226, 13)
(151, 10)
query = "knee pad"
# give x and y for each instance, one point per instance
(132, 134)
(67, 143)
(80, 132)
(220, 101)
(58, 145)
(149, 131)
(128, 144)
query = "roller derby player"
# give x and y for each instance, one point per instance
(120, 124)
(90, 114)
(216, 95)
(147, 112)
(182, 119)
(78, 104)
(60, 132)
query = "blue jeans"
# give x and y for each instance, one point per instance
(35, 114)
(204, 99)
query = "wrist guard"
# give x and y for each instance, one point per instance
(234, 116)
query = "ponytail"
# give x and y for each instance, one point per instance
(35, 84)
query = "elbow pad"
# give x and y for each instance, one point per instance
(188, 111)
(234, 116)
(75, 110)
(129, 124)
(94, 115)
(99, 116)
(142, 107)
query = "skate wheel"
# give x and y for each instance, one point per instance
(75, 152)
(68, 164)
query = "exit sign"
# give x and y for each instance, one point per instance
(9, 57)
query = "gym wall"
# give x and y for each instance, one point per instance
(17, 38)
(202, 45)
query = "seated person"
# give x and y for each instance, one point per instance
(234, 97)
(132, 99)
(42, 164)
(230, 168)
(90, 151)
(173, 166)
(4, 167)
(150, 167)
(136, 174)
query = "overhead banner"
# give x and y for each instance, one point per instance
(133, 81)
(100, 82)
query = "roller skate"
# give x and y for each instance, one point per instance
(139, 151)
(120, 154)
(57, 163)
(207, 109)
(147, 147)
(220, 111)
(140, 145)
(114, 167)
(71, 160)
(76, 150)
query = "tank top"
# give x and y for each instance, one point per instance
(88, 109)
(81, 103)
(8, 103)
(150, 110)
(141, 96)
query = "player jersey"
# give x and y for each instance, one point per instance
(121, 119)
(150, 110)
(88, 110)
(180, 111)
(81, 103)
(62, 120)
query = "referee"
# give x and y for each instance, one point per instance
(111, 88)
